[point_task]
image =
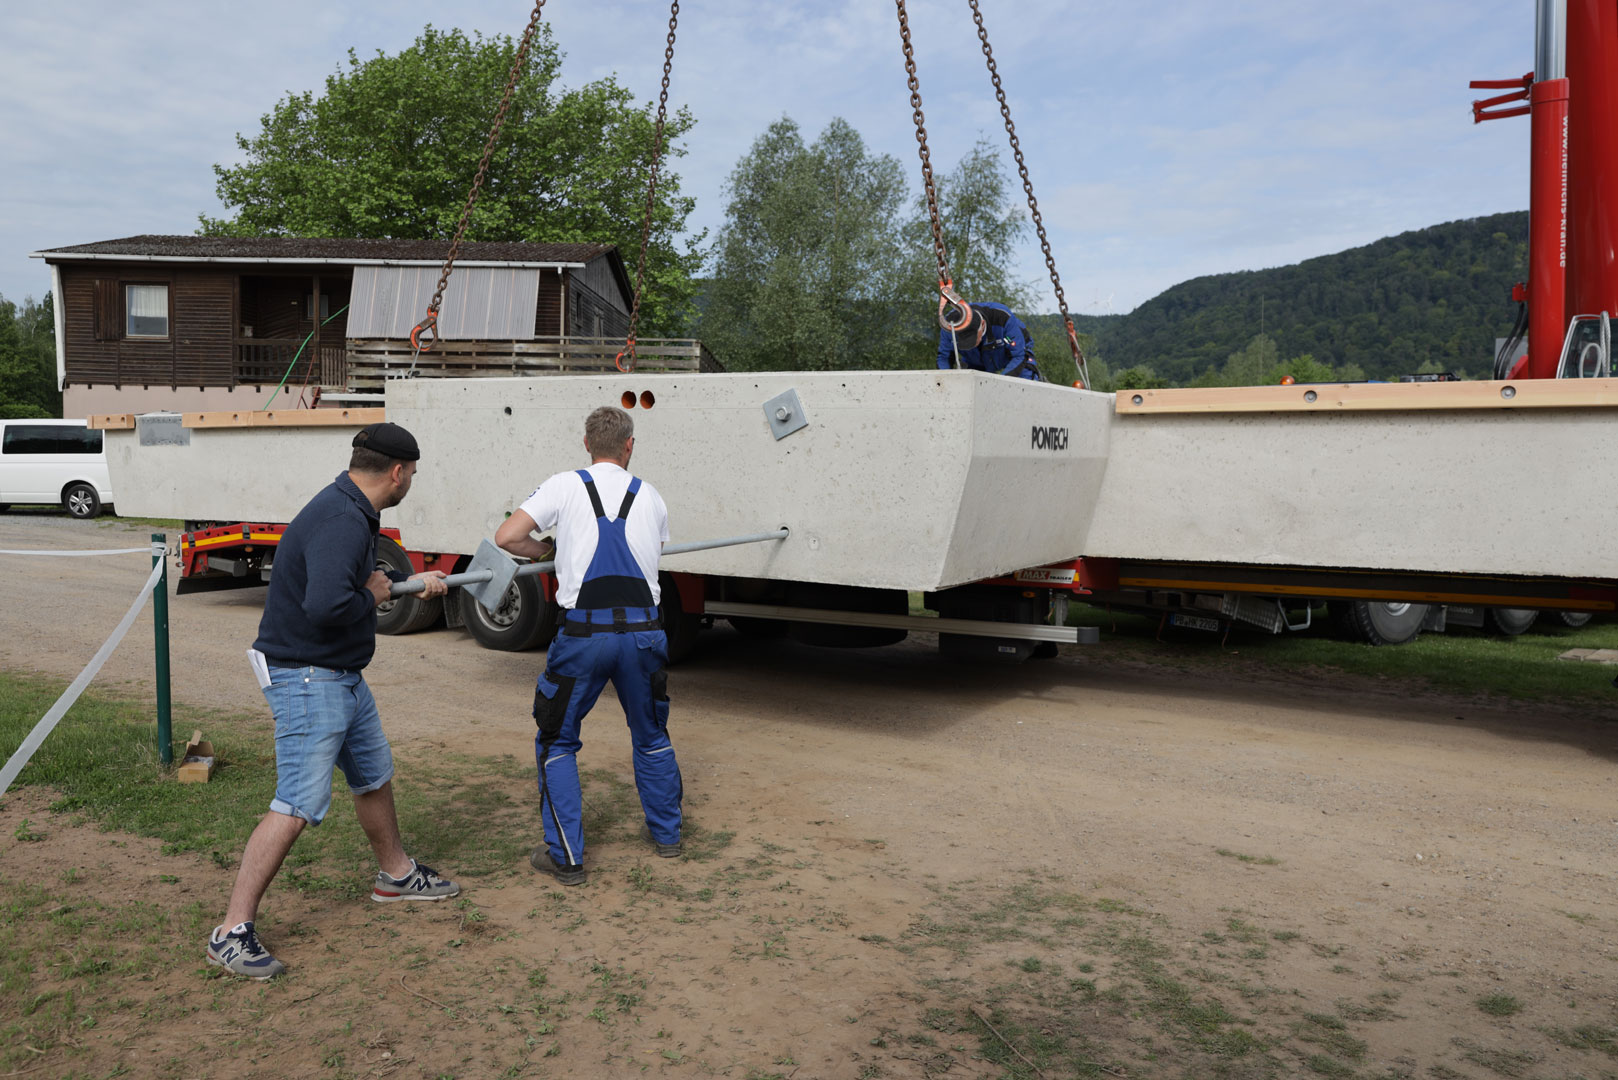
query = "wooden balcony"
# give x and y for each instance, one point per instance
(269, 360)
(371, 363)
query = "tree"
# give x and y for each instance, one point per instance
(28, 360)
(981, 228)
(811, 268)
(390, 148)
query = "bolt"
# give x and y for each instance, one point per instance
(782, 413)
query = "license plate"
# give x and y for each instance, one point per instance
(1194, 622)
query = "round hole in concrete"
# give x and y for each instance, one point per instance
(646, 399)
(628, 400)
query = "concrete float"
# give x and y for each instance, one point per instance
(924, 480)
(910, 479)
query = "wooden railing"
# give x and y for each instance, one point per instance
(267, 360)
(370, 363)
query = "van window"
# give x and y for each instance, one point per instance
(50, 439)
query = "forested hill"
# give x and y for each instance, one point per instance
(1434, 298)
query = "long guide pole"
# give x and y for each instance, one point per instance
(404, 588)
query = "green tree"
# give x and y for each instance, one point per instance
(1303, 369)
(390, 147)
(28, 360)
(811, 268)
(981, 229)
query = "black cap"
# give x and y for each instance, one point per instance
(389, 440)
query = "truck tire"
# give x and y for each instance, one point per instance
(524, 619)
(1573, 619)
(1508, 620)
(1377, 622)
(81, 501)
(681, 629)
(405, 614)
(990, 604)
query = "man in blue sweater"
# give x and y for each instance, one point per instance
(317, 634)
(994, 341)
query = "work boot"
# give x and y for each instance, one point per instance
(667, 851)
(566, 873)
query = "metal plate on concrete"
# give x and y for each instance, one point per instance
(162, 429)
(785, 414)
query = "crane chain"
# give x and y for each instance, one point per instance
(947, 300)
(430, 323)
(1028, 187)
(625, 361)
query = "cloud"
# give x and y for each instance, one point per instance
(1165, 139)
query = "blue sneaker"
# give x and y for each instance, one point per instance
(240, 953)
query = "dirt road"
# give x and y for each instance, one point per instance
(1419, 851)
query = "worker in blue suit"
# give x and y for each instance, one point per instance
(994, 340)
(606, 573)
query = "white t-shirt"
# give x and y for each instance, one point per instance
(562, 504)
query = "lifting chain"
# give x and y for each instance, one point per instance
(947, 300)
(1028, 186)
(625, 360)
(429, 325)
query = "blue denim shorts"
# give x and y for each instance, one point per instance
(324, 718)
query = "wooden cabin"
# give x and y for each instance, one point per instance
(196, 323)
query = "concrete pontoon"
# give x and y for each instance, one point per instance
(910, 480)
(924, 480)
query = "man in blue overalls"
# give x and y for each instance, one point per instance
(994, 341)
(606, 572)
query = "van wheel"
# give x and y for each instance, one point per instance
(81, 501)
(1574, 619)
(411, 612)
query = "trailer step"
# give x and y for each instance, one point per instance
(1067, 635)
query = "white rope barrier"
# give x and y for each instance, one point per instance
(104, 551)
(48, 722)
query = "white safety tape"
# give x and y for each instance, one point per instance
(104, 551)
(48, 722)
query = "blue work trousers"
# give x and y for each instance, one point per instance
(576, 671)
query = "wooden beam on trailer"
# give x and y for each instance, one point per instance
(1374, 397)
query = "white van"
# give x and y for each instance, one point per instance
(54, 461)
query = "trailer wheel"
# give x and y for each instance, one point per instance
(1574, 619)
(1376, 622)
(1509, 621)
(681, 629)
(405, 614)
(523, 620)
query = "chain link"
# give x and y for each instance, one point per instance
(921, 141)
(430, 323)
(626, 359)
(1028, 186)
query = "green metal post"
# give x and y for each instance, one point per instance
(160, 637)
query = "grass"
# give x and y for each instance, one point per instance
(1460, 661)
(102, 761)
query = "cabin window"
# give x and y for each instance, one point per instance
(147, 308)
(309, 306)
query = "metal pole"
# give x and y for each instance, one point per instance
(160, 640)
(1550, 40)
(404, 588)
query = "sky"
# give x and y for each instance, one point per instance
(1165, 140)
